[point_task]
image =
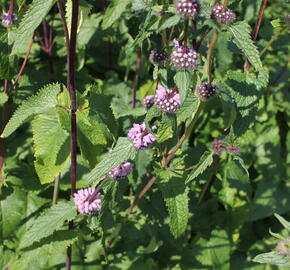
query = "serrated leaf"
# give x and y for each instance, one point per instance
(124, 150)
(241, 32)
(273, 258)
(167, 127)
(114, 12)
(37, 11)
(3, 98)
(46, 98)
(8, 63)
(205, 161)
(48, 223)
(188, 108)
(171, 21)
(152, 114)
(176, 198)
(55, 244)
(51, 151)
(284, 222)
(182, 80)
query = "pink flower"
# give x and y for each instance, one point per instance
(8, 19)
(88, 201)
(206, 91)
(148, 102)
(121, 170)
(167, 100)
(223, 15)
(140, 136)
(183, 57)
(217, 146)
(187, 8)
(233, 150)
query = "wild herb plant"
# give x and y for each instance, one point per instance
(144, 134)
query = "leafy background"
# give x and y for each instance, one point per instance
(216, 216)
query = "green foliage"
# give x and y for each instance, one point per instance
(43, 100)
(176, 198)
(48, 223)
(124, 150)
(38, 9)
(51, 148)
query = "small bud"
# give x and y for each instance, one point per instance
(148, 102)
(121, 171)
(183, 57)
(233, 150)
(158, 58)
(222, 15)
(283, 247)
(187, 8)
(167, 100)
(206, 91)
(88, 201)
(140, 136)
(218, 146)
(8, 20)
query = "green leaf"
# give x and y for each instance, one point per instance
(48, 223)
(273, 258)
(53, 245)
(205, 161)
(114, 12)
(241, 32)
(50, 150)
(171, 21)
(188, 108)
(182, 80)
(215, 251)
(124, 150)
(176, 198)
(167, 127)
(84, 11)
(284, 222)
(152, 115)
(8, 63)
(37, 11)
(43, 100)
(3, 98)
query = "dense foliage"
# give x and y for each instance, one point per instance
(195, 176)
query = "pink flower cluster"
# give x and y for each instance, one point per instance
(148, 102)
(219, 146)
(140, 136)
(206, 91)
(88, 201)
(121, 170)
(187, 8)
(8, 19)
(183, 57)
(223, 15)
(167, 100)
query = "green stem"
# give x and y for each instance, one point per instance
(209, 55)
(56, 189)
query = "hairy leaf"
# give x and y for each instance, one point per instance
(43, 100)
(273, 258)
(183, 81)
(176, 198)
(51, 151)
(48, 223)
(166, 127)
(124, 150)
(204, 162)
(37, 11)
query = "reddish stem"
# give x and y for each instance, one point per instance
(11, 8)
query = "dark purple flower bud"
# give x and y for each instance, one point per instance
(158, 58)
(218, 146)
(187, 8)
(222, 15)
(183, 57)
(148, 102)
(121, 170)
(167, 100)
(8, 19)
(206, 90)
(140, 136)
(283, 247)
(233, 150)
(88, 201)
